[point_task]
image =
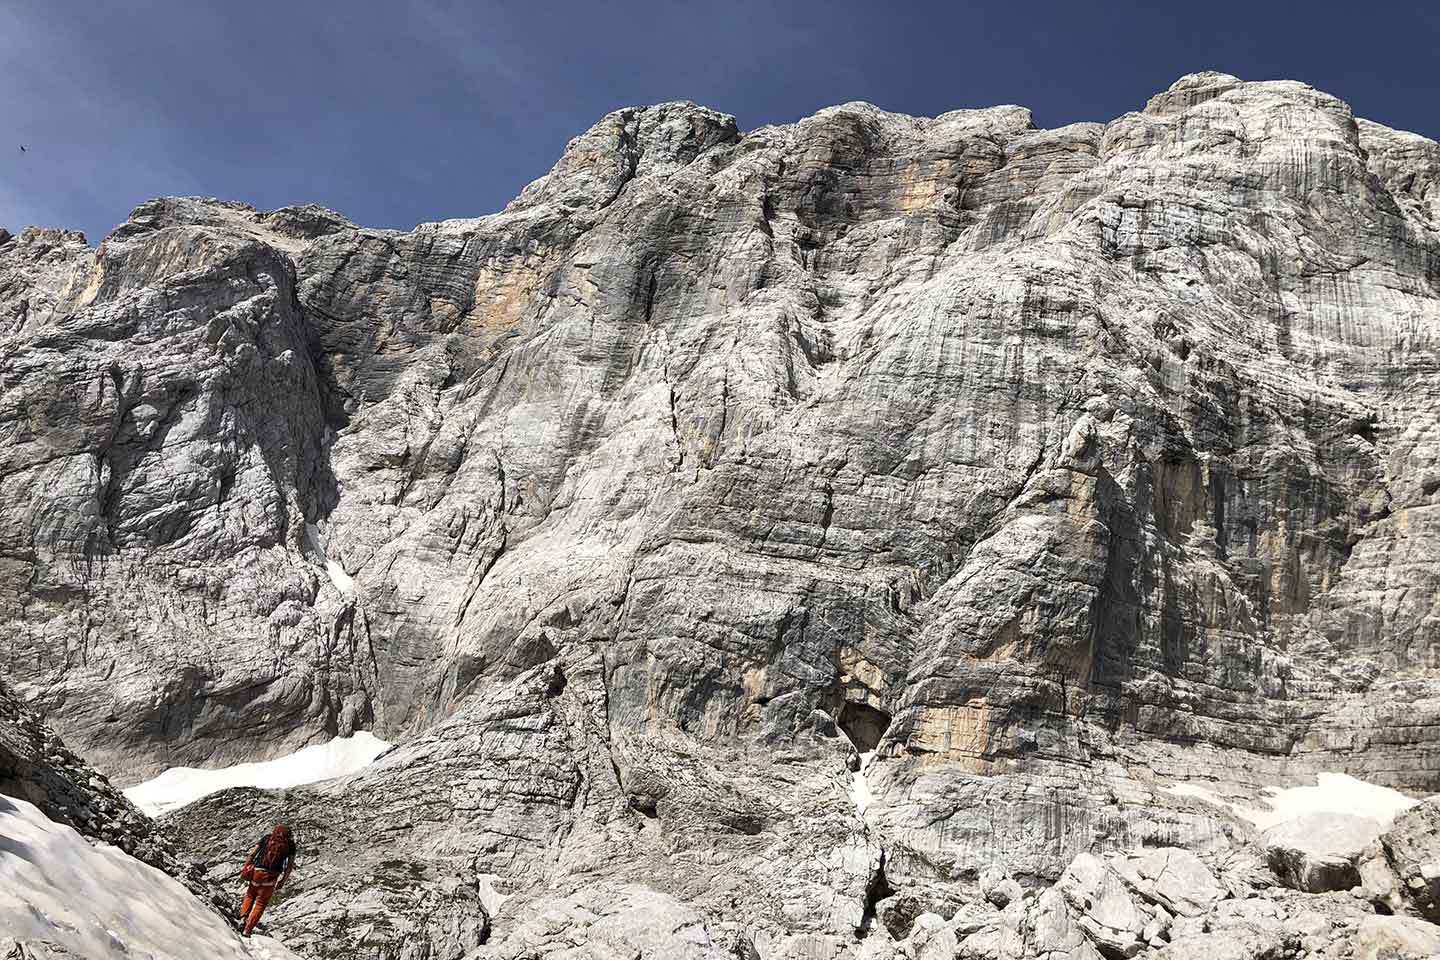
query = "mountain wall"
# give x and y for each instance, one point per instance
(1001, 477)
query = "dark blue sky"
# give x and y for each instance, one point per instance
(411, 110)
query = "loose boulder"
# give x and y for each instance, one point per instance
(1103, 907)
(999, 887)
(931, 938)
(1396, 938)
(1052, 933)
(1319, 852)
(1176, 879)
(1412, 846)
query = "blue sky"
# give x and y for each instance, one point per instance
(411, 110)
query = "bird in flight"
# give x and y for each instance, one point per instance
(22, 149)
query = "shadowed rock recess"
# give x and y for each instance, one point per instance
(751, 539)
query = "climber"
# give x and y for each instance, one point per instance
(266, 870)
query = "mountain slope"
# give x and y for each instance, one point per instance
(98, 901)
(1050, 467)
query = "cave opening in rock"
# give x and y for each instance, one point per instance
(863, 724)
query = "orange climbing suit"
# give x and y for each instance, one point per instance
(257, 897)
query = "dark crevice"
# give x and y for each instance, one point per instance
(644, 805)
(558, 682)
(828, 515)
(675, 430)
(650, 298)
(876, 890)
(724, 417)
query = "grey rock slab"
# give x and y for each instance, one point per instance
(999, 887)
(608, 923)
(1174, 878)
(11, 949)
(1317, 852)
(931, 938)
(1229, 945)
(1103, 907)
(1051, 931)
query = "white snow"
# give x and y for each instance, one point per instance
(491, 898)
(339, 577)
(99, 902)
(342, 580)
(860, 787)
(323, 761)
(1331, 793)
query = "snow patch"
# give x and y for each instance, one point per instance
(342, 580)
(99, 902)
(339, 577)
(860, 787)
(491, 898)
(322, 761)
(1331, 793)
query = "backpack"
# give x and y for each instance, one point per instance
(262, 859)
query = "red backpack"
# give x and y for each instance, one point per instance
(272, 854)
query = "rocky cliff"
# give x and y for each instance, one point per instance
(785, 523)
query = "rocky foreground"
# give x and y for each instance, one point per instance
(829, 540)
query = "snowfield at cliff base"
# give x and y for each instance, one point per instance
(1331, 793)
(179, 786)
(98, 901)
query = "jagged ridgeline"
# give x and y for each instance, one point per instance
(750, 540)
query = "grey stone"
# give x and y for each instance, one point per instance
(1412, 848)
(931, 938)
(1176, 879)
(1103, 907)
(11, 949)
(999, 887)
(1229, 945)
(619, 923)
(1396, 938)
(1052, 933)
(1320, 851)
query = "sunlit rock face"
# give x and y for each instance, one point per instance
(1049, 466)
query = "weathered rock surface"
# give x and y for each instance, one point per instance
(998, 887)
(1412, 847)
(629, 923)
(11, 949)
(1175, 879)
(1396, 938)
(1039, 468)
(1320, 851)
(1103, 906)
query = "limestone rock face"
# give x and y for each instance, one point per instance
(1103, 907)
(784, 522)
(1320, 851)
